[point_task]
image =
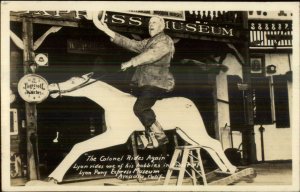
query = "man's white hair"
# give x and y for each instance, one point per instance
(161, 20)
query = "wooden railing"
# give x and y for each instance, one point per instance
(219, 18)
(271, 33)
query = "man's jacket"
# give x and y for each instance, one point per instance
(153, 62)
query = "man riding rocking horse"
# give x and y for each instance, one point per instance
(152, 76)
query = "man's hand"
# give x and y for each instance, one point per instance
(102, 26)
(125, 65)
(99, 24)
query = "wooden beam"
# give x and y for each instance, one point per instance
(46, 21)
(248, 140)
(213, 84)
(31, 113)
(266, 50)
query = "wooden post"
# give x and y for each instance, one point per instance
(213, 84)
(31, 113)
(248, 140)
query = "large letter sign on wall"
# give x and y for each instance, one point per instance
(172, 26)
(137, 22)
(33, 88)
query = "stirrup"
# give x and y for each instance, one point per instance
(152, 141)
(142, 141)
(163, 141)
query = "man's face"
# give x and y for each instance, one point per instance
(155, 26)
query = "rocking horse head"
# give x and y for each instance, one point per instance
(71, 85)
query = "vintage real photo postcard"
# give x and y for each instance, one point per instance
(149, 96)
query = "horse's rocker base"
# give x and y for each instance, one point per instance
(220, 178)
(40, 183)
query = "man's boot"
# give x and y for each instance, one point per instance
(159, 133)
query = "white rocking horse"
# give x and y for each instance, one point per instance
(173, 113)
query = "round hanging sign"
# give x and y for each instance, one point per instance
(33, 88)
(41, 59)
